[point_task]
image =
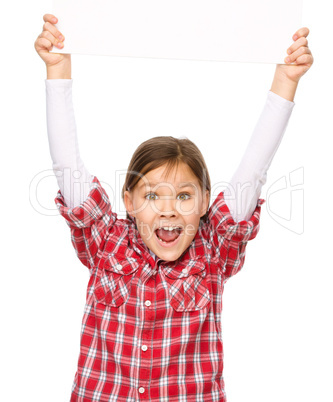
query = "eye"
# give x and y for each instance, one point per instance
(183, 196)
(151, 196)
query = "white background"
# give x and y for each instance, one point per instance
(277, 313)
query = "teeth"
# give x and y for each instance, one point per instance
(169, 228)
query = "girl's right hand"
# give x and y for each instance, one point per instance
(47, 39)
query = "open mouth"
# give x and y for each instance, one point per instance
(168, 234)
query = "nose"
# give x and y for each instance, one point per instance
(167, 214)
(167, 207)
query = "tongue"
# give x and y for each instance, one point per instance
(168, 235)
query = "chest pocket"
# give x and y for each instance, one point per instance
(187, 285)
(113, 282)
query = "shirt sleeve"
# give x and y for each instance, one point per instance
(73, 178)
(245, 186)
(90, 222)
(228, 237)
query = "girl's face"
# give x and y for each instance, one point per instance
(159, 204)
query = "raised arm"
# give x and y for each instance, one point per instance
(251, 174)
(73, 178)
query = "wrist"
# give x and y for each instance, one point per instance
(59, 71)
(283, 85)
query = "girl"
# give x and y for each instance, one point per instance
(151, 328)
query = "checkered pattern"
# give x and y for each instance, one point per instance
(151, 329)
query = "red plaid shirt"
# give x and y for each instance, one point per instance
(152, 329)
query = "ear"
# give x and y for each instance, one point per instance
(205, 203)
(128, 201)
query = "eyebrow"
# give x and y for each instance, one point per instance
(179, 185)
(186, 184)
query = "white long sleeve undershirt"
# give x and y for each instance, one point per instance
(245, 185)
(251, 174)
(72, 176)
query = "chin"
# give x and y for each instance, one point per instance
(168, 255)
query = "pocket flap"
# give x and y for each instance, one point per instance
(121, 264)
(186, 268)
(113, 283)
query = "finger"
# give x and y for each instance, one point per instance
(50, 37)
(44, 43)
(305, 59)
(49, 25)
(301, 32)
(299, 52)
(55, 32)
(51, 18)
(296, 45)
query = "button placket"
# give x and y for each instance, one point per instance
(148, 318)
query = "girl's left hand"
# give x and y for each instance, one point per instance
(299, 59)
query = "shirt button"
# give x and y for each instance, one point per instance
(141, 390)
(144, 347)
(118, 267)
(185, 271)
(148, 303)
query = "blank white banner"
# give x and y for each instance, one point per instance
(220, 30)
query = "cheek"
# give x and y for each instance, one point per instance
(144, 215)
(140, 206)
(188, 207)
(191, 230)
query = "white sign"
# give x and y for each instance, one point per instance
(220, 30)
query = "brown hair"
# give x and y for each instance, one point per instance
(158, 151)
